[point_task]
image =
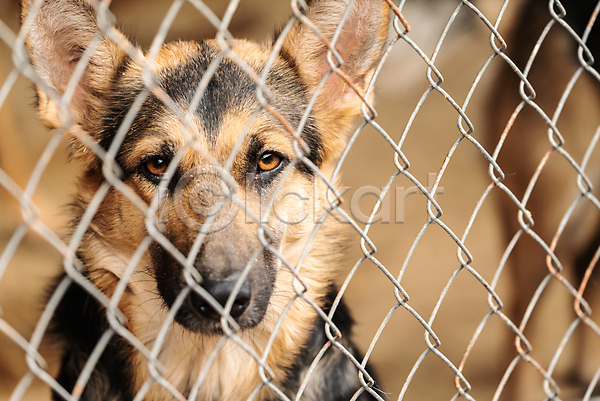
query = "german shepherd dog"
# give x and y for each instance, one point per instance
(525, 144)
(200, 161)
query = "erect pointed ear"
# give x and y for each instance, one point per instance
(360, 43)
(58, 34)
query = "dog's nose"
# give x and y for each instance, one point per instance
(221, 290)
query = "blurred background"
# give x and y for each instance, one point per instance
(431, 141)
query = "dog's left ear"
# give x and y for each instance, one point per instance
(360, 43)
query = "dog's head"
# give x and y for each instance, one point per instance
(224, 140)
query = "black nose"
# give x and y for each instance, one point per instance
(221, 291)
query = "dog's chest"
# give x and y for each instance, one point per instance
(195, 370)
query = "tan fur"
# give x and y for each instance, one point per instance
(305, 45)
(119, 225)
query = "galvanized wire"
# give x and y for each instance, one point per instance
(466, 134)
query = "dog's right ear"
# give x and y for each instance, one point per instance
(58, 34)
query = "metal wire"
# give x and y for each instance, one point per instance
(565, 143)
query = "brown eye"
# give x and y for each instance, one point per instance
(156, 165)
(269, 161)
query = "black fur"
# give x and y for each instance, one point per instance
(337, 387)
(104, 98)
(80, 321)
(230, 88)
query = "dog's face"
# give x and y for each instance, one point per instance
(210, 146)
(231, 160)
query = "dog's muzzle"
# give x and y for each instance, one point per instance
(222, 291)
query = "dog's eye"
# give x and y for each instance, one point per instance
(157, 165)
(154, 167)
(269, 161)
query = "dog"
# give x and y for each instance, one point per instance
(195, 273)
(526, 144)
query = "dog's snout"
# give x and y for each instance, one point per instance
(221, 290)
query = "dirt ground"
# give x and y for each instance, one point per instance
(370, 294)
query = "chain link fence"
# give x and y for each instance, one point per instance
(469, 192)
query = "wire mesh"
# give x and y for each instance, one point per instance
(485, 112)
